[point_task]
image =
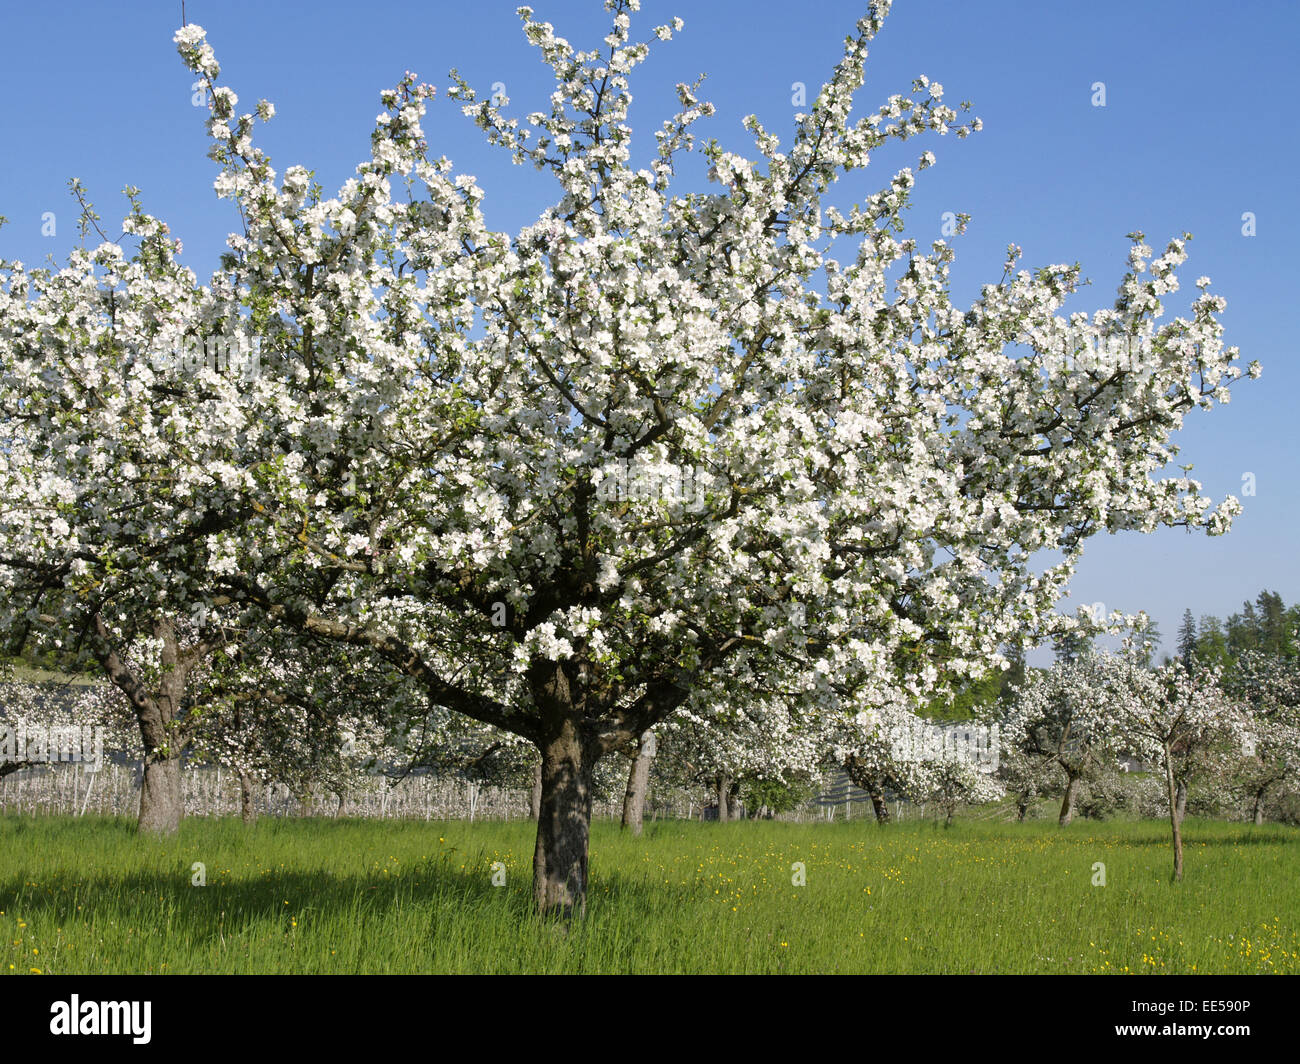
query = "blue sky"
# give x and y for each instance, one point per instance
(1198, 128)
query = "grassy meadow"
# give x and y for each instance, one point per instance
(87, 896)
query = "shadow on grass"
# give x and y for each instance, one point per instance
(448, 896)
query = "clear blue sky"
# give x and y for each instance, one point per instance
(1199, 127)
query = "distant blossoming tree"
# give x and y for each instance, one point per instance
(1269, 688)
(1065, 717)
(1175, 718)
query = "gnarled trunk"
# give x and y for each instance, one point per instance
(563, 823)
(867, 781)
(161, 802)
(638, 780)
(161, 805)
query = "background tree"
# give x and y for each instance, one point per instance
(954, 782)
(1175, 719)
(114, 476)
(1065, 717)
(1026, 777)
(1269, 687)
(1187, 640)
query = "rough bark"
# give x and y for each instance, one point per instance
(161, 807)
(535, 807)
(1181, 799)
(638, 781)
(1022, 807)
(872, 784)
(563, 824)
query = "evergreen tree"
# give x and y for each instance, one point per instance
(1272, 623)
(1187, 639)
(1243, 631)
(1212, 643)
(1071, 646)
(1292, 647)
(1014, 677)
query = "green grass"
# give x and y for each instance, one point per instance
(27, 673)
(88, 896)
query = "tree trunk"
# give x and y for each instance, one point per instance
(563, 823)
(869, 782)
(947, 821)
(161, 801)
(1022, 807)
(1175, 821)
(638, 780)
(881, 807)
(161, 807)
(1067, 810)
(247, 798)
(305, 801)
(724, 796)
(1258, 813)
(1181, 795)
(535, 806)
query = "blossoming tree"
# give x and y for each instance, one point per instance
(565, 479)
(1269, 689)
(1065, 717)
(1177, 719)
(111, 472)
(895, 750)
(719, 741)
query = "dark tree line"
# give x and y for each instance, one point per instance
(1266, 626)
